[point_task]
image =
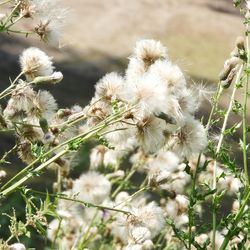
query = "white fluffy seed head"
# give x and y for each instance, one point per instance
(160, 168)
(149, 51)
(146, 53)
(35, 62)
(21, 101)
(51, 17)
(182, 202)
(110, 87)
(92, 187)
(139, 234)
(170, 74)
(17, 246)
(150, 133)
(150, 95)
(46, 104)
(97, 156)
(165, 160)
(191, 139)
(151, 216)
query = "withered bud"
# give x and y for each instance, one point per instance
(61, 113)
(240, 43)
(224, 73)
(129, 116)
(43, 30)
(54, 130)
(227, 82)
(24, 152)
(229, 65)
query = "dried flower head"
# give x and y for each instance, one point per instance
(149, 216)
(51, 18)
(21, 102)
(149, 51)
(150, 133)
(191, 138)
(110, 87)
(45, 104)
(92, 187)
(35, 62)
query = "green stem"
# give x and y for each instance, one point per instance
(192, 203)
(215, 105)
(84, 137)
(244, 115)
(235, 222)
(12, 23)
(5, 92)
(6, 154)
(30, 174)
(222, 133)
(11, 13)
(21, 32)
(86, 204)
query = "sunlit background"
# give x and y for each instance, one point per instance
(100, 35)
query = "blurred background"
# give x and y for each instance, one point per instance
(100, 35)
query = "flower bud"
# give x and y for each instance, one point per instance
(56, 77)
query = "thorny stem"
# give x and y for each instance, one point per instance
(240, 213)
(15, 21)
(86, 204)
(84, 137)
(30, 174)
(4, 93)
(214, 184)
(3, 159)
(11, 13)
(244, 114)
(21, 32)
(215, 105)
(191, 205)
(236, 220)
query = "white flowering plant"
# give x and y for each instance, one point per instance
(155, 179)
